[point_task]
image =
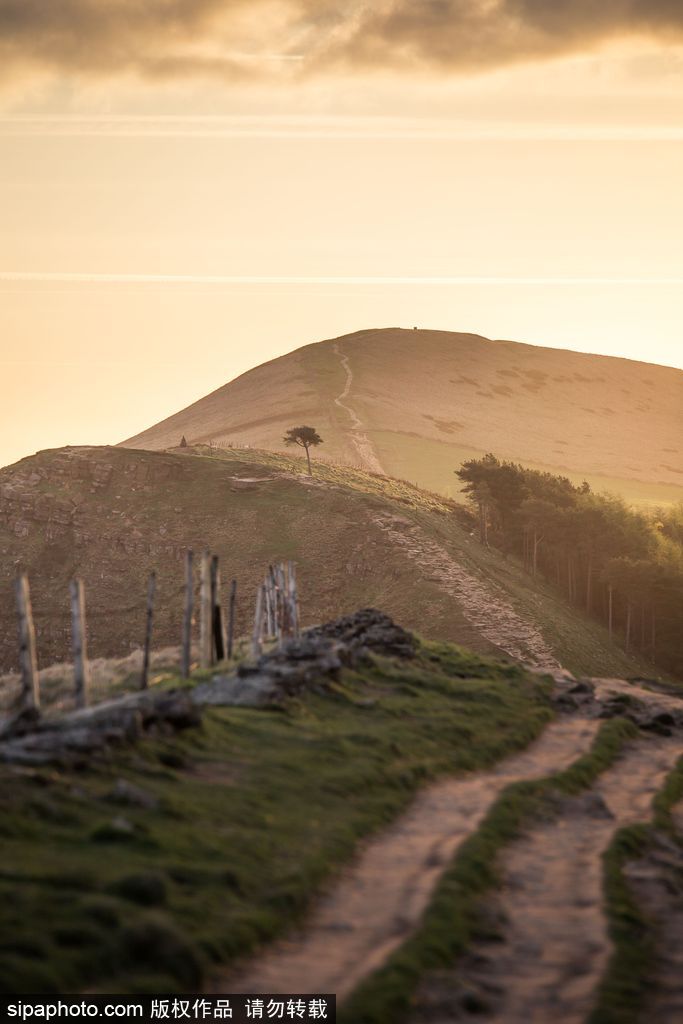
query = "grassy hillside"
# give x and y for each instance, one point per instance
(182, 852)
(112, 515)
(414, 403)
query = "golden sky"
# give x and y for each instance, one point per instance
(190, 187)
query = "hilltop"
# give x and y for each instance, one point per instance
(111, 515)
(414, 404)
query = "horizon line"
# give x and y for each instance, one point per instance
(82, 277)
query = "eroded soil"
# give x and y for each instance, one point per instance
(380, 897)
(553, 944)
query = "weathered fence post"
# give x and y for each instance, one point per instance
(80, 643)
(151, 590)
(218, 646)
(231, 616)
(258, 622)
(30, 689)
(293, 598)
(187, 617)
(205, 616)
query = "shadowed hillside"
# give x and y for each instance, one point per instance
(111, 515)
(414, 404)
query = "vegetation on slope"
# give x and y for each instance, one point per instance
(113, 515)
(622, 566)
(232, 827)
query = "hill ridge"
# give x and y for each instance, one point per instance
(616, 422)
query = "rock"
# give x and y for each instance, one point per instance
(126, 793)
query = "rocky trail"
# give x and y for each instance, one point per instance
(484, 606)
(380, 898)
(553, 945)
(359, 439)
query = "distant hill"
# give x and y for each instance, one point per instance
(111, 515)
(414, 404)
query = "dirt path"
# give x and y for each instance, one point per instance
(554, 945)
(379, 899)
(655, 880)
(359, 439)
(482, 604)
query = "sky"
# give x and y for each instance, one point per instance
(191, 187)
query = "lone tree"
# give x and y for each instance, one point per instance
(306, 438)
(183, 442)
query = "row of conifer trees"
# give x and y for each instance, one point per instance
(623, 566)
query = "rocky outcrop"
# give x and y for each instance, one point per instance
(308, 662)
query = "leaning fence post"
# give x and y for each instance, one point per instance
(187, 617)
(205, 616)
(80, 644)
(231, 616)
(258, 622)
(151, 590)
(30, 689)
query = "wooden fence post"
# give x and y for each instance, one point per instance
(258, 622)
(231, 616)
(30, 688)
(293, 598)
(187, 617)
(205, 616)
(218, 646)
(151, 590)
(80, 643)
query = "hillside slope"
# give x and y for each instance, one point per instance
(112, 515)
(413, 404)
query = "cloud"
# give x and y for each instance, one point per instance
(171, 39)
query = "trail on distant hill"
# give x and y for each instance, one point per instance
(380, 898)
(482, 603)
(359, 439)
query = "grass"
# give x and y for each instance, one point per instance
(631, 973)
(155, 505)
(453, 919)
(432, 463)
(244, 820)
(580, 643)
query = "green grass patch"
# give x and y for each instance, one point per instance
(453, 919)
(248, 815)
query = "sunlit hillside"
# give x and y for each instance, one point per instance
(414, 404)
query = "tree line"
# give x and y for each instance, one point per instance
(622, 566)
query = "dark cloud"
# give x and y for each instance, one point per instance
(172, 38)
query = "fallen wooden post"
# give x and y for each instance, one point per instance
(231, 616)
(28, 660)
(151, 590)
(187, 617)
(80, 644)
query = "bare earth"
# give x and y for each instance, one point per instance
(483, 605)
(379, 899)
(554, 945)
(359, 439)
